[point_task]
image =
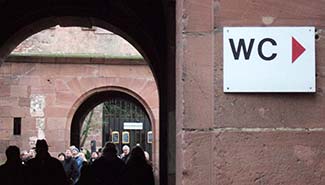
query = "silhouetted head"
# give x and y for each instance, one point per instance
(109, 148)
(13, 153)
(137, 155)
(41, 146)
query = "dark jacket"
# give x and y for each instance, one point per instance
(107, 170)
(138, 174)
(125, 158)
(85, 176)
(71, 169)
(45, 170)
(12, 173)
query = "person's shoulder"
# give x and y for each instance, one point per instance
(98, 161)
(2, 167)
(3, 171)
(55, 160)
(118, 160)
(31, 161)
(149, 167)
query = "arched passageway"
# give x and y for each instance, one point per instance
(137, 112)
(148, 25)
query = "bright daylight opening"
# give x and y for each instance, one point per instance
(82, 87)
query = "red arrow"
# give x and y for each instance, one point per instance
(297, 49)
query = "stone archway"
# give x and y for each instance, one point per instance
(148, 25)
(96, 96)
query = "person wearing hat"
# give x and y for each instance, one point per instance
(44, 169)
(75, 153)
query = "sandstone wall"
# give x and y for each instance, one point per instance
(244, 139)
(45, 96)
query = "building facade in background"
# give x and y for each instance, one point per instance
(52, 74)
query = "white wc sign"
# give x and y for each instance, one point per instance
(269, 59)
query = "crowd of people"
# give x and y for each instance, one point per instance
(104, 167)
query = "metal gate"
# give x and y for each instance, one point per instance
(125, 122)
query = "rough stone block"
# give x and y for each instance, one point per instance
(198, 79)
(197, 149)
(57, 135)
(6, 123)
(48, 70)
(22, 69)
(218, 49)
(61, 85)
(74, 85)
(76, 70)
(125, 71)
(44, 90)
(4, 91)
(3, 145)
(19, 91)
(269, 110)
(24, 102)
(63, 99)
(87, 83)
(28, 123)
(50, 100)
(5, 69)
(16, 141)
(5, 134)
(152, 100)
(56, 111)
(269, 12)
(138, 84)
(5, 111)
(101, 82)
(9, 101)
(198, 15)
(269, 158)
(150, 89)
(34, 81)
(56, 123)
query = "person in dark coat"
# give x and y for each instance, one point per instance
(84, 178)
(70, 167)
(61, 157)
(138, 171)
(13, 171)
(126, 153)
(44, 169)
(107, 169)
(93, 157)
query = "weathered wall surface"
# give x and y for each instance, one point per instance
(76, 40)
(44, 96)
(245, 139)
